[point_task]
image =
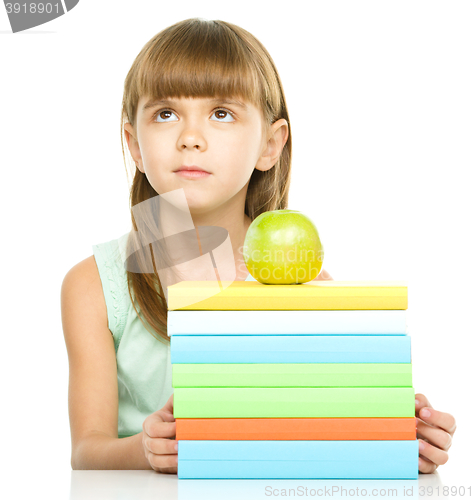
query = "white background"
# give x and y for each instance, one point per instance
(381, 102)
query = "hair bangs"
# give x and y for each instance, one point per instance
(206, 60)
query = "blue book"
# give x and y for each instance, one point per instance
(290, 349)
(358, 322)
(298, 459)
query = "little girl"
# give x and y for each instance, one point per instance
(201, 95)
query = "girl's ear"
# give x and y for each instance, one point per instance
(133, 144)
(279, 133)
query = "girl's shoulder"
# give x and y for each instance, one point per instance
(112, 253)
(110, 257)
(110, 261)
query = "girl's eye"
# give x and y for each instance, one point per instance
(223, 111)
(165, 113)
(162, 113)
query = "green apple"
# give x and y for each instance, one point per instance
(282, 247)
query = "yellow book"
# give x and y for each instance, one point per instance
(314, 295)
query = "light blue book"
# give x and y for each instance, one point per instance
(290, 349)
(298, 459)
(364, 322)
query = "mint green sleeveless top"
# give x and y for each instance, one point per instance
(144, 370)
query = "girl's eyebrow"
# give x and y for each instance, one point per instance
(225, 100)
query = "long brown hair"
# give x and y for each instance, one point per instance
(202, 58)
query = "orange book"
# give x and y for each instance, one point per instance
(294, 429)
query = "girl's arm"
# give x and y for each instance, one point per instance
(93, 389)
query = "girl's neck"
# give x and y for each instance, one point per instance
(235, 226)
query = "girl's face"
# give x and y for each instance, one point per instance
(223, 137)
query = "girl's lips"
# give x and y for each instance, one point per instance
(193, 174)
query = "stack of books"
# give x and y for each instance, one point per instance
(292, 381)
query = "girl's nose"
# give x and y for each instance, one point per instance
(192, 139)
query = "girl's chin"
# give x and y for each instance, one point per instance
(198, 200)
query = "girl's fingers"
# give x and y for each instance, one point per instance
(162, 461)
(437, 437)
(166, 416)
(168, 470)
(421, 401)
(426, 467)
(434, 454)
(168, 409)
(438, 418)
(160, 446)
(425, 411)
(156, 428)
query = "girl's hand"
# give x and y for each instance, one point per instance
(158, 439)
(435, 430)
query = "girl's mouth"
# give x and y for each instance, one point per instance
(192, 174)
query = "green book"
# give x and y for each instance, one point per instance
(295, 402)
(292, 375)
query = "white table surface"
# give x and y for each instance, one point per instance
(144, 485)
(105, 485)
